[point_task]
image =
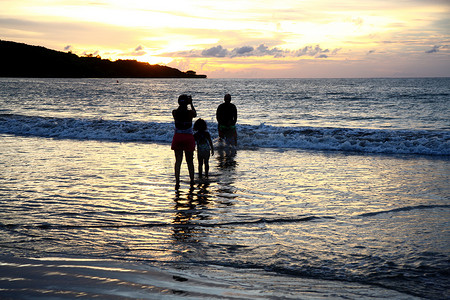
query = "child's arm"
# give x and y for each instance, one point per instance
(208, 136)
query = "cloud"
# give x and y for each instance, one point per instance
(54, 33)
(138, 51)
(263, 50)
(316, 51)
(68, 48)
(434, 49)
(249, 51)
(242, 51)
(217, 51)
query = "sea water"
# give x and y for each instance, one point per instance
(338, 188)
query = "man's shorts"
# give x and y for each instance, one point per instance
(227, 131)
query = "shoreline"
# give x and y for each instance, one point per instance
(105, 278)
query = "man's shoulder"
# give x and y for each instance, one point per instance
(227, 105)
(221, 106)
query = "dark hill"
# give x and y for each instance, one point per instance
(22, 60)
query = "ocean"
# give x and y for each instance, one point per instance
(338, 188)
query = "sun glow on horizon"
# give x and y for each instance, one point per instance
(153, 60)
(237, 37)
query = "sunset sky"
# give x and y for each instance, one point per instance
(245, 38)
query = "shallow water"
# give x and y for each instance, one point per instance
(377, 220)
(317, 202)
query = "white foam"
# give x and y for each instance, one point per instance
(312, 138)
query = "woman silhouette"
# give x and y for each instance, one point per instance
(183, 139)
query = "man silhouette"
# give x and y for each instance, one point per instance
(226, 118)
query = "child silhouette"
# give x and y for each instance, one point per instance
(204, 146)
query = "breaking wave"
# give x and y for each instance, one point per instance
(422, 142)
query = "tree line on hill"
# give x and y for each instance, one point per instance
(22, 60)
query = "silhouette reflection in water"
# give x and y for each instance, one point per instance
(227, 175)
(190, 208)
(197, 205)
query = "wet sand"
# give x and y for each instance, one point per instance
(66, 278)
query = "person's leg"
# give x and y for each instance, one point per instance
(178, 161)
(234, 137)
(206, 162)
(206, 167)
(200, 166)
(190, 162)
(221, 135)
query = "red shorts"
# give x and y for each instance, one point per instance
(183, 141)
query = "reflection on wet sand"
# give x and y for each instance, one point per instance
(194, 205)
(227, 174)
(226, 157)
(190, 207)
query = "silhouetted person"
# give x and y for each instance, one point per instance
(205, 146)
(226, 118)
(183, 139)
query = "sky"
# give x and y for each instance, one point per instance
(245, 38)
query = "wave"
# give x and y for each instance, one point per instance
(403, 209)
(381, 141)
(85, 129)
(422, 142)
(45, 225)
